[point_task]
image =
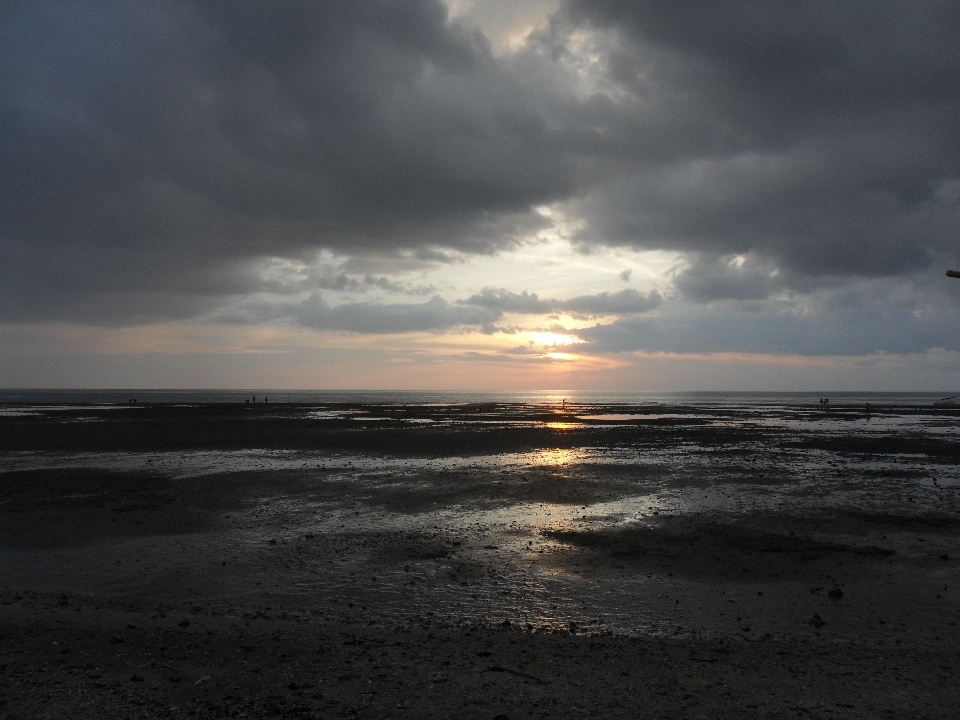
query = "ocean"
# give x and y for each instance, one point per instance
(422, 397)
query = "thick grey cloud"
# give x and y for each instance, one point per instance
(154, 152)
(325, 277)
(876, 316)
(506, 301)
(377, 318)
(478, 312)
(153, 146)
(625, 302)
(708, 277)
(849, 333)
(821, 137)
(366, 318)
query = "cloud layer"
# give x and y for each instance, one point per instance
(153, 146)
(821, 137)
(157, 155)
(625, 302)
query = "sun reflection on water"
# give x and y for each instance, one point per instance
(553, 456)
(563, 425)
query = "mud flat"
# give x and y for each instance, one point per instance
(479, 561)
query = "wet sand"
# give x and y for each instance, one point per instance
(479, 561)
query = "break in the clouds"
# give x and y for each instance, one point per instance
(177, 159)
(625, 302)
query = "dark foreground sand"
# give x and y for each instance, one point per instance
(69, 657)
(359, 586)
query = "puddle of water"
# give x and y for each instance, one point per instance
(331, 414)
(39, 410)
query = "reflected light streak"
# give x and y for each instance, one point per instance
(557, 456)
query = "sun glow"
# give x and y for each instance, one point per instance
(549, 338)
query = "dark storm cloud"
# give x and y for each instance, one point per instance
(152, 152)
(819, 135)
(150, 147)
(620, 303)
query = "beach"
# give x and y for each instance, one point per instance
(479, 560)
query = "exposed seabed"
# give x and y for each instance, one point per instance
(779, 524)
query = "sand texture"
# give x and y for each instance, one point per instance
(479, 562)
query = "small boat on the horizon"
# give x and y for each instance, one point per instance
(949, 401)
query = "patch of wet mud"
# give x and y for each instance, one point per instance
(909, 443)
(401, 548)
(924, 522)
(705, 550)
(69, 506)
(75, 506)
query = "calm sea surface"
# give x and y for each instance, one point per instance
(419, 397)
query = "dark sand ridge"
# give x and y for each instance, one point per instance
(686, 534)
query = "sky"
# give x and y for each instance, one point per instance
(480, 194)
